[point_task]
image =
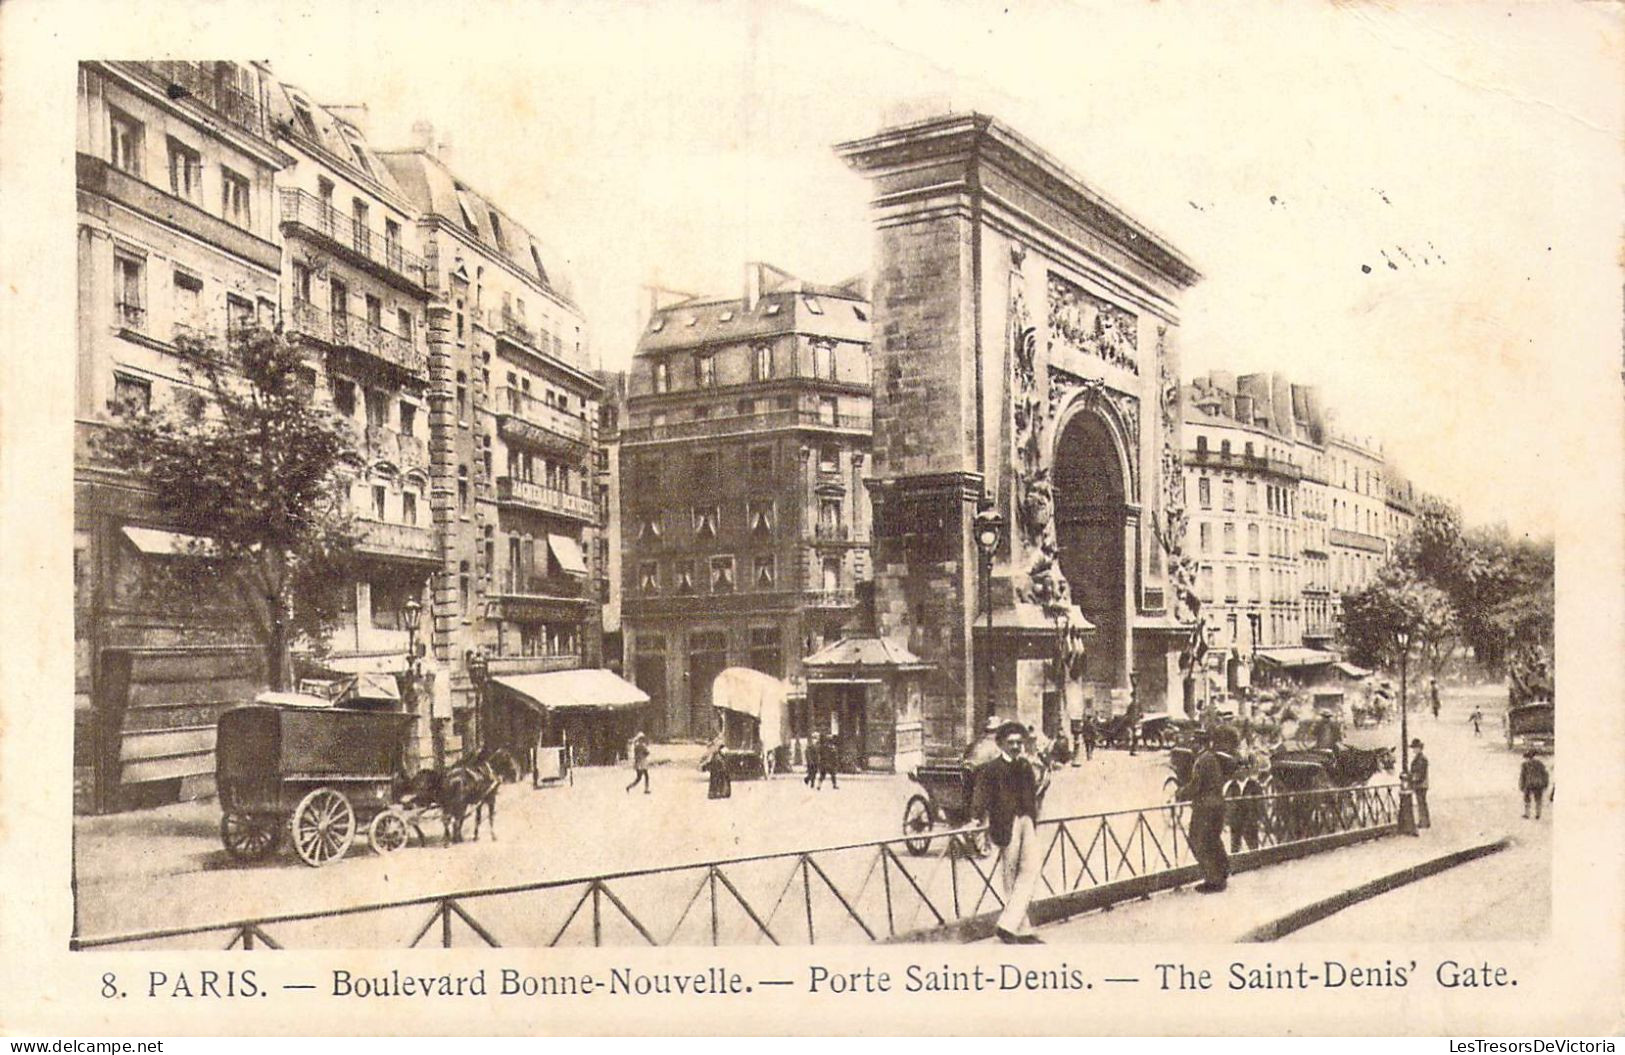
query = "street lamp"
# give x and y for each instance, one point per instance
(1407, 808)
(479, 667)
(989, 530)
(413, 613)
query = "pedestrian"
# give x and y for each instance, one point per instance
(1477, 718)
(985, 748)
(829, 759)
(1532, 781)
(1006, 794)
(1246, 812)
(716, 764)
(1061, 753)
(1419, 785)
(1205, 792)
(1090, 734)
(640, 763)
(814, 746)
(1433, 696)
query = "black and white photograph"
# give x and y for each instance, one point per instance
(820, 478)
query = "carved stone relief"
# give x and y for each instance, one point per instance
(1088, 324)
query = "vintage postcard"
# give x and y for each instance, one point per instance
(806, 517)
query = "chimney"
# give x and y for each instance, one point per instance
(753, 285)
(423, 136)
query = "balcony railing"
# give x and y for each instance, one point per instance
(405, 540)
(1357, 540)
(546, 499)
(736, 423)
(832, 533)
(1230, 459)
(210, 85)
(352, 331)
(541, 587)
(303, 209)
(386, 444)
(831, 598)
(522, 414)
(130, 316)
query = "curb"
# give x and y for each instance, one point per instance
(1319, 910)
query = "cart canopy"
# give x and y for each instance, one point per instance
(746, 691)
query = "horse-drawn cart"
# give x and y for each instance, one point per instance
(947, 791)
(317, 771)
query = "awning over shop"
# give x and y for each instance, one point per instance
(567, 551)
(588, 689)
(746, 691)
(1351, 670)
(169, 543)
(1296, 657)
(372, 687)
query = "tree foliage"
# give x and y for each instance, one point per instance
(250, 462)
(1397, 601)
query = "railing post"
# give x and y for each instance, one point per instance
(714, 905)
(806, 891)
(445, 924)
(597, 924)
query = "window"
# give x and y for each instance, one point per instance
(339, 297)
(464, 593)
(239, 314)
(1229, 538)
(234, 197)
(188, 304)
(1252, 496)
(463, 207)
(1204, 583)
(375, 312)
(1252, 539)
(1229, 495)
(344, 396)
(823, 359)
(829, 459)
(360, 235)
(829, 517)
(1224, 449)
(706, 521)
(1255, 588)
(1204, 492)
(827, 407)
(378, 502)
(1230, 583)
(722, 575)
(649, 528)
(745, 407)
(462, 397)
(301, 283)
(649, 577)
(662, 376)
(1201, 445)
(765, 576)
(705, 371)
(409, 508)
(683, 576)
(129, 273)
(377, 408)
(462, 490)
(765, 652)
(324, 191)
(131, 396)
(762, 362)
(1207, 538)
(832, 574)
(356, 152)
(496, 231)
(125, 142)
(185, 172)
(307, 123)
(813, 305)
(761, 519)
(403, 324)
(536, 258)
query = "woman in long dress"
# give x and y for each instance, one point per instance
(716, 763)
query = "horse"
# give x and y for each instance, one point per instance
(455, 790)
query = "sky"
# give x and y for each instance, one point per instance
(1410, 206)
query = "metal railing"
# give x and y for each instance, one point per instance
(831, 598)
(542, 415)
(206, 83)
(303, 209)
(130, 316)
(875, 890)
(547, 499)
(353, 331)
(773, 419)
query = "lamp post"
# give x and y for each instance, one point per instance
(413, 616)
(989, 530)
(1407, 807)
(478, 669)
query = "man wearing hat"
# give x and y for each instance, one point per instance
(1006, 794)
(1532, 781)
(1205, 792)
(640, 762)
(1419, 784)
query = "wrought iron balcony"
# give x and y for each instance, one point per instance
(351, 331)
(211, 85)
(523, 417)
(830, 598)
(530, 495)
(404, 452)
(372, 249)
(832, 533)
(747, 423)
(130, 316)
(396, 540)
(541, 588)
(1231, 460)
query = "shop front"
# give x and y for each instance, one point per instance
(590, 712)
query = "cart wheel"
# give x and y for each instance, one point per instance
(387, 833)
(917, 821)
(323, 827)
(1170, 789)
(249, 836)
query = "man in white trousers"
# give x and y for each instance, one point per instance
(1006, 794)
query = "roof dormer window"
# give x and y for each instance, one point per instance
(462, 204)
(496, 228)
(536, 258)
(813, 305)
(657, 324)
(726, 316)
(770, 309)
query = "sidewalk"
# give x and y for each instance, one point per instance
(1260, 897)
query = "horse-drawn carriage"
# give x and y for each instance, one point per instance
(321, 772)
(1532, 725)
(750, 708)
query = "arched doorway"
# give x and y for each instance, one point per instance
(1090, 513)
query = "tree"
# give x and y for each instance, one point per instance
(250, 463)
(1397, 600)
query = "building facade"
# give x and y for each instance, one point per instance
(177, 214)
(513, 407)
(743, 456)
(1286, 514)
